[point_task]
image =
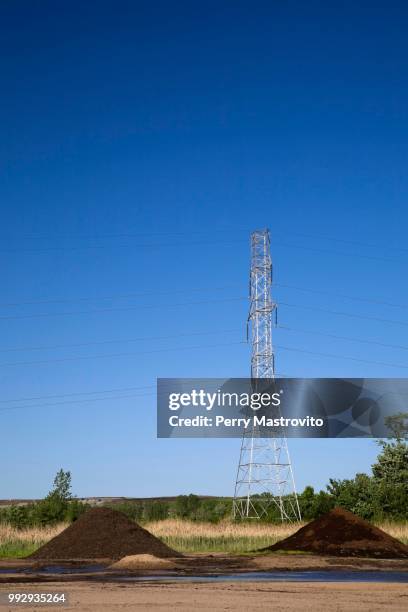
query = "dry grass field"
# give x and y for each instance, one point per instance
(21, 542)
(226, 536)
(185, 536)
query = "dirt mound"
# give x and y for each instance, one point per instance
(132, 562)
(102, 533)
(342, 533)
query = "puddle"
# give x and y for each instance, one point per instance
(54, 569)
(329, 576)
(285, 576)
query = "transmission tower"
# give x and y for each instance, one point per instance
(264, 467)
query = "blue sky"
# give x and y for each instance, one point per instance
(139, 147)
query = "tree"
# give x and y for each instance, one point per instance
(323, 503)
(186, 506)
(62, 486)
(55, 507)
(155, 511)
(382, 495)
(391, 466)
(359, 495)
(390, 471)
(307, 503)
(398, 425)
(74, 510)
(18, 516)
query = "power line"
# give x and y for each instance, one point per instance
(180, 304)
(112, 355)
(334, 252)
(195, 232)
(347, 357)
(117, 341)
(77, 393)
(199, 243)
(95, 392)
(344, 314)
(207, 333)
(337, 337)
(121, 246)
(365, 245)
(130, 234)
(118, 296)
(341, 295)
(95, 399)
(117, 309)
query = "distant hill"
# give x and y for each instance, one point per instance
(99, 501)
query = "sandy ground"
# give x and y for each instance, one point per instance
(107, 597)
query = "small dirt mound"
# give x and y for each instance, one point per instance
(102, 533)
(342, 533)
(134, 562)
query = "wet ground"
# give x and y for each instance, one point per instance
(212, 568)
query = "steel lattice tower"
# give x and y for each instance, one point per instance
(264, 463)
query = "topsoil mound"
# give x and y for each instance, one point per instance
(102, 533)
(342, 533)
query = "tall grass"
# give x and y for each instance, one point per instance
(396, 530)
(190, 536)
(185, 536)
(22, 542)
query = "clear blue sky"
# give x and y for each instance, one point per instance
(140, 144)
